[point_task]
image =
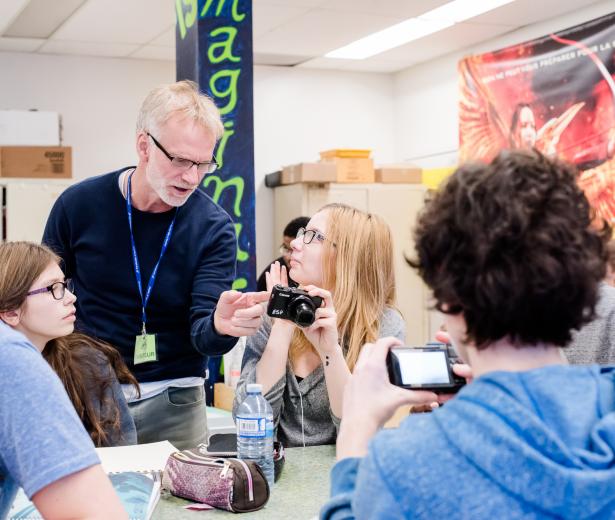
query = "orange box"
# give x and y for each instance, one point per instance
(401, 174)
(345, 153)
(53, 162)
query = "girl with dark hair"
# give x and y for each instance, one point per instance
(36, 300)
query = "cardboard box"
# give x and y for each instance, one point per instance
(29, 128)
(357, 170)
(53, 162)
(399, 174)
(309, 172)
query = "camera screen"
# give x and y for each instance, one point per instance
(422, 368)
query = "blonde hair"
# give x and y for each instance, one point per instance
(184, 99)
(358, 270)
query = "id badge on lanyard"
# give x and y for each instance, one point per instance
(145, 348)
(145, 344)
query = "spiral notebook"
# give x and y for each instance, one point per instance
(142, 458)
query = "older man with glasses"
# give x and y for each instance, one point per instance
(290, 232)
(153, 258)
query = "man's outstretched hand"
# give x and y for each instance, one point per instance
(240, 314)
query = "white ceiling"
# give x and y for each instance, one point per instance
(286, 32)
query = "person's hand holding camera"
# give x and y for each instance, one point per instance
(370, 399)
(276, 275)
(323, 332)
(461, 369)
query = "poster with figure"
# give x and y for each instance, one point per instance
(556, 94)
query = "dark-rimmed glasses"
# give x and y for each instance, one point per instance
(307, 235)
(185, 164)
(57, 289)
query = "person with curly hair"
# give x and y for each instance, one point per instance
(514, 265)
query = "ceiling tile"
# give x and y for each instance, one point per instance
(9, 10)
(20, 44)
(266, 17)
(523, 12)
(119, 21)
(285, 60)
(320, 31)
(116, 50)
(41, 18)
(368, 65)
(166, 39)
(398, 8)
(291, 3)
(155, 52)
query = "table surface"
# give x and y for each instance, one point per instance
(300, 492)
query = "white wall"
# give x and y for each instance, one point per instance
(298, 112)
(98, 99)
(426, 95)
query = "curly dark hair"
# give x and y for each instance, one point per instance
(510, 245)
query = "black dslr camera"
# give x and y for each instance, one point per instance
(425, 368)
(290, 303)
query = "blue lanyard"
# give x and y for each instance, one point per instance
(135, 258)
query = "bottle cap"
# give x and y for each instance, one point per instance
(254, 388)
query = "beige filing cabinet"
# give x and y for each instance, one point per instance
(398, 204)
(26, 204)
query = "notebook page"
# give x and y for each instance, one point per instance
(141, 457)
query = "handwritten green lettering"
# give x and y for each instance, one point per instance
(225, 46)
(228, 78)
(220, 185)
(236, 15)
(239, 284)
(185, 21)
(242, 255)
(228, 133)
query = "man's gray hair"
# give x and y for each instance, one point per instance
(184, 99)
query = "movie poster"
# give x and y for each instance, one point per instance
(555, 93)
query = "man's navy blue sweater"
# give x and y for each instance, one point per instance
(88, 228)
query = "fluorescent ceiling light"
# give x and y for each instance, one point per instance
(460, 10)
(394, 36)
(415, 28)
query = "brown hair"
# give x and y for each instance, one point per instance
(510, 245)
(358, 270)
(75, 358)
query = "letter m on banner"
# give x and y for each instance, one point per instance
(214, 49)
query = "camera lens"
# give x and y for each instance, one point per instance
(302, 312)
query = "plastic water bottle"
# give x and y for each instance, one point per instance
(254, 420)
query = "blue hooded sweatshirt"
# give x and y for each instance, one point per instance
(535, 444)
